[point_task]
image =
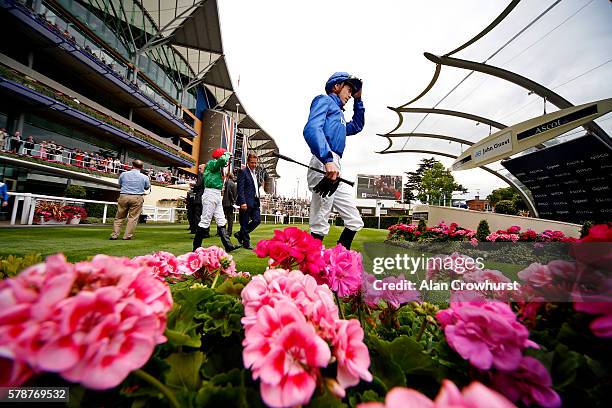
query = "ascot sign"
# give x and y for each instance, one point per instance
(522, 136)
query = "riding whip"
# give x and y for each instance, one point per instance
(289, 159)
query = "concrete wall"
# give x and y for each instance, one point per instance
(172, 193)
(159, 192)
(470, 219)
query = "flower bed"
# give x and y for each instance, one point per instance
(453, 232)
(191, 330)
(439, 233)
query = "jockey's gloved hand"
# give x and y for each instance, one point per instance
(326, 187)
(334, 187)
(322, 187)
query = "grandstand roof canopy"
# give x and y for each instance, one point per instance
(192, 28)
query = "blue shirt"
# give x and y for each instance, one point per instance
(133, 182)
(326, 129)
(3, 192)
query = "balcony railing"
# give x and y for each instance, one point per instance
(14, 76)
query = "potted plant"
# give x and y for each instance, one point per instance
(49, 213)
(74, 214)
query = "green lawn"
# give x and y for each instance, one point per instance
(79, 243)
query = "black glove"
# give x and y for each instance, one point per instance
(326, 187)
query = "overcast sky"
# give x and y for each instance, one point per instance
(284, 51)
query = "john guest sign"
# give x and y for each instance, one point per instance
(511, 140)
(499, 145)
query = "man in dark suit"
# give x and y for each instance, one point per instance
(248, 200)
(229, 199)
(198, 190)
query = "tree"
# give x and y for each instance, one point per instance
(72, 190)
(414, 179)
(438, 184)
(506, 207)
(509, 194)
(506, 193)
(483, 231)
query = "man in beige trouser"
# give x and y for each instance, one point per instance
(133, 185)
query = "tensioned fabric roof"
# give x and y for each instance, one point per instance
(192, 28)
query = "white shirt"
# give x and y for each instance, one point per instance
(254, 177)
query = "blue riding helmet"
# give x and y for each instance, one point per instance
(338, 77)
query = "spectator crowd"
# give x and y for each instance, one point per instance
(284, 206)
(49, 150)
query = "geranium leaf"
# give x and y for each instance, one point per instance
(184, 370)
(409, 355)
(383, 366)
(181, 339)
(230, 288)
(326, 400)
(565, 366)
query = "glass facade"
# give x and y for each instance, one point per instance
(3, 121)
(13, 176)
(163, 65)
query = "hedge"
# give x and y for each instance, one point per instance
(96, 210)
(372, 221)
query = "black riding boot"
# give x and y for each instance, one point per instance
(225, 239)
(317, 236)
(346, 238)
(200, 234)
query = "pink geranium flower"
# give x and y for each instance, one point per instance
(284, 351)
(486, 275)
(370, 295)
(493, 276)
(215, 259)
(190, 262)
(352, 355)
(293, 247)
(597, 304)
(290, 324)
(530, 383)
(475, 395)
(599, 233)
(343, 270)
(515, 229)
(595, 249)
(286, 379)
(537, 275)
(394, 298)
(92, 323)
(487, 334)
(163, 264)
(12, 372)
(315, 301)
(99, 340)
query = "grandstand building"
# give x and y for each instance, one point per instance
(98, 83)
